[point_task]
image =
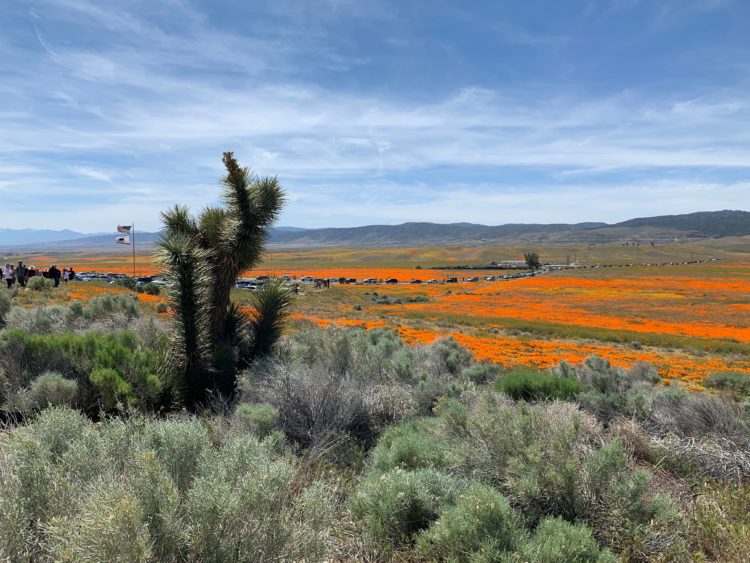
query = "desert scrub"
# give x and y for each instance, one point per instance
(5, 306)
(481, 525)
(335, 384)
(481, 373)
(24, 356)
(53, 390)
(145, 490)
(394, 507)
(556, 540)
(38, 283)
(547, 459)
(734, 382)
(408, 446)
(532, 385)
(260, 419)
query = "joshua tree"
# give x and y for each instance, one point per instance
(202, 258)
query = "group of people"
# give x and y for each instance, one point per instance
(22, 273)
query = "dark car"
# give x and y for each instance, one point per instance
(391, 280)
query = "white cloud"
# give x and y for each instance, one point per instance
(153, 109)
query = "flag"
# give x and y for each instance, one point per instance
(123, 229)
(122, 240)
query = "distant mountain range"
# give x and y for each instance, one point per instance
(666, 228)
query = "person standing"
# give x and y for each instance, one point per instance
(55, 274)
(21, 274)
(66, 275)
(10, 275)
(71, 275)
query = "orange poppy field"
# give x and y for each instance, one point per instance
(689, 320)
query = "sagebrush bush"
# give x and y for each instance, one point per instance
(735, 382)
(39, 283)
(558, 541)
(388, 404)
(533, 385)
(260, 419)
(145, 490)
(551, 459)
(5, 306)
(395, 506)
(53, 390)
(481, 373)
(408, 446)
(481, 525)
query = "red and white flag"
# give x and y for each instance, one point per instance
(123, 229)
(122, 240)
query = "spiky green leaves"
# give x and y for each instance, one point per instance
(186, 270)
(271, 305)
(202, 259)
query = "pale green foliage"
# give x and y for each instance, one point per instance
(5, 306)
(481, 524)
(144, 490)
(261, 418)
(558, 541)
(53, 390)
(396, 506)
(39, 283)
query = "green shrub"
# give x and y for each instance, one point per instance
(481, 373)
(481, 525)
(18, 401)
(394, 507)
(151, 289)
(181, 446)
(408, 446)
(142, 490)
(532, 385)
(241, 508)
(549, 458)
(52, 390)
(39, 283)
(261, 419)
(112, 388)
(25, 356)
(107, 527)
(5, 306)
(451, 356)
(558, 541)
(735, 382)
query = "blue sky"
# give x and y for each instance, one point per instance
(374, 111)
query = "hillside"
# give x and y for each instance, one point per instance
(663, 229)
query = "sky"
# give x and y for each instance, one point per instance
(374, 112)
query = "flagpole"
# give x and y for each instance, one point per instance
(132, 234)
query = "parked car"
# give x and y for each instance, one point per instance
(451, 280)
(472, 279)
(391, 281)
(432, 281)
(307, 279)
(490, 278)
(415, 281)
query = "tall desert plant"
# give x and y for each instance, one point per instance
(202, 258)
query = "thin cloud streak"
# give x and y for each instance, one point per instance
(149, 111)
